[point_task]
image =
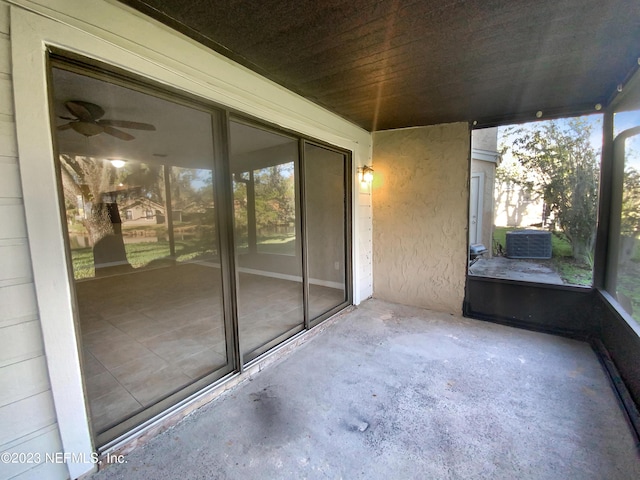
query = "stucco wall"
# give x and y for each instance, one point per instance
(420, 215)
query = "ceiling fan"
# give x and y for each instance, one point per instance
(89, 122)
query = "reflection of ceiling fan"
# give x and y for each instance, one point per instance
(88, 121)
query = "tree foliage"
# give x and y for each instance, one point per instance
(630, 221)
(275, 197)
(560, 162)
(93, 184)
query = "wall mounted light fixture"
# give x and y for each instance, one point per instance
(365, 174)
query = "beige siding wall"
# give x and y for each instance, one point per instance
(27, 418)
(420, 215)
(488, 169)
(485, 138)
(484, 160)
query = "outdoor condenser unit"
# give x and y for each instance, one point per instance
(529, 244)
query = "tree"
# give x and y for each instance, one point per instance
(564, 167)
(630, 221)
(93, 183)
(92, 189)
(275, 196)
(85, 179)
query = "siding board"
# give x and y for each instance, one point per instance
(5, 54)
(8, 144)
(12, 221)
(17, 304)
(19, 343)
(21, 418)
(15, 261)
(6, 96)
(47, 442)
(4, 17)
(9, 175)
(12, 379)
(44, 470)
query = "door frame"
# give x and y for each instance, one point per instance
(479, 205)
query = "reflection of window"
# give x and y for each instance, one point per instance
(148, 264)
(275, 209)
(264, 186)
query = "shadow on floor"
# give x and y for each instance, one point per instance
(397, 392)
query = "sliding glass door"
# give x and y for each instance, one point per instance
(265, 172)
(138, 187)
(190, 253)
(326, 220)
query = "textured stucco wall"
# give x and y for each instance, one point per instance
(420, 215)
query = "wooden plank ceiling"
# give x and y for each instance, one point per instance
(389, 63)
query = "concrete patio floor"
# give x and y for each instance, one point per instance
(539, 271)
(395, 392)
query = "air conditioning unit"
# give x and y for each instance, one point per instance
(529, 244)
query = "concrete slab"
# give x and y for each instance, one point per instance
(399, 392)
(539, 271)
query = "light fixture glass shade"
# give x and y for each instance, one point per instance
(118, 163)
(365, 174)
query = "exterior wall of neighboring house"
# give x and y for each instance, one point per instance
(27, 415)
(42, 404)
(484, 161)
(420, 222)
(513, 206)
(142, 212)
(517, 207)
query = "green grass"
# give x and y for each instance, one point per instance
(274, 244)
(278, 244)
(629, 285)
(572, 271)
(142, 254)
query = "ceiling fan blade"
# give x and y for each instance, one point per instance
(127, 124)
(117, 133)
(85, 111)
(66, 126)
(88, 129)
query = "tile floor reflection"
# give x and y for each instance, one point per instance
(148, 334)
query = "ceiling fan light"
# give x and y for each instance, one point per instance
(117, 162)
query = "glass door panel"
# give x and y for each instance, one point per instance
(137, 185)
(623, 266)
(265, 173)
(325, 208)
